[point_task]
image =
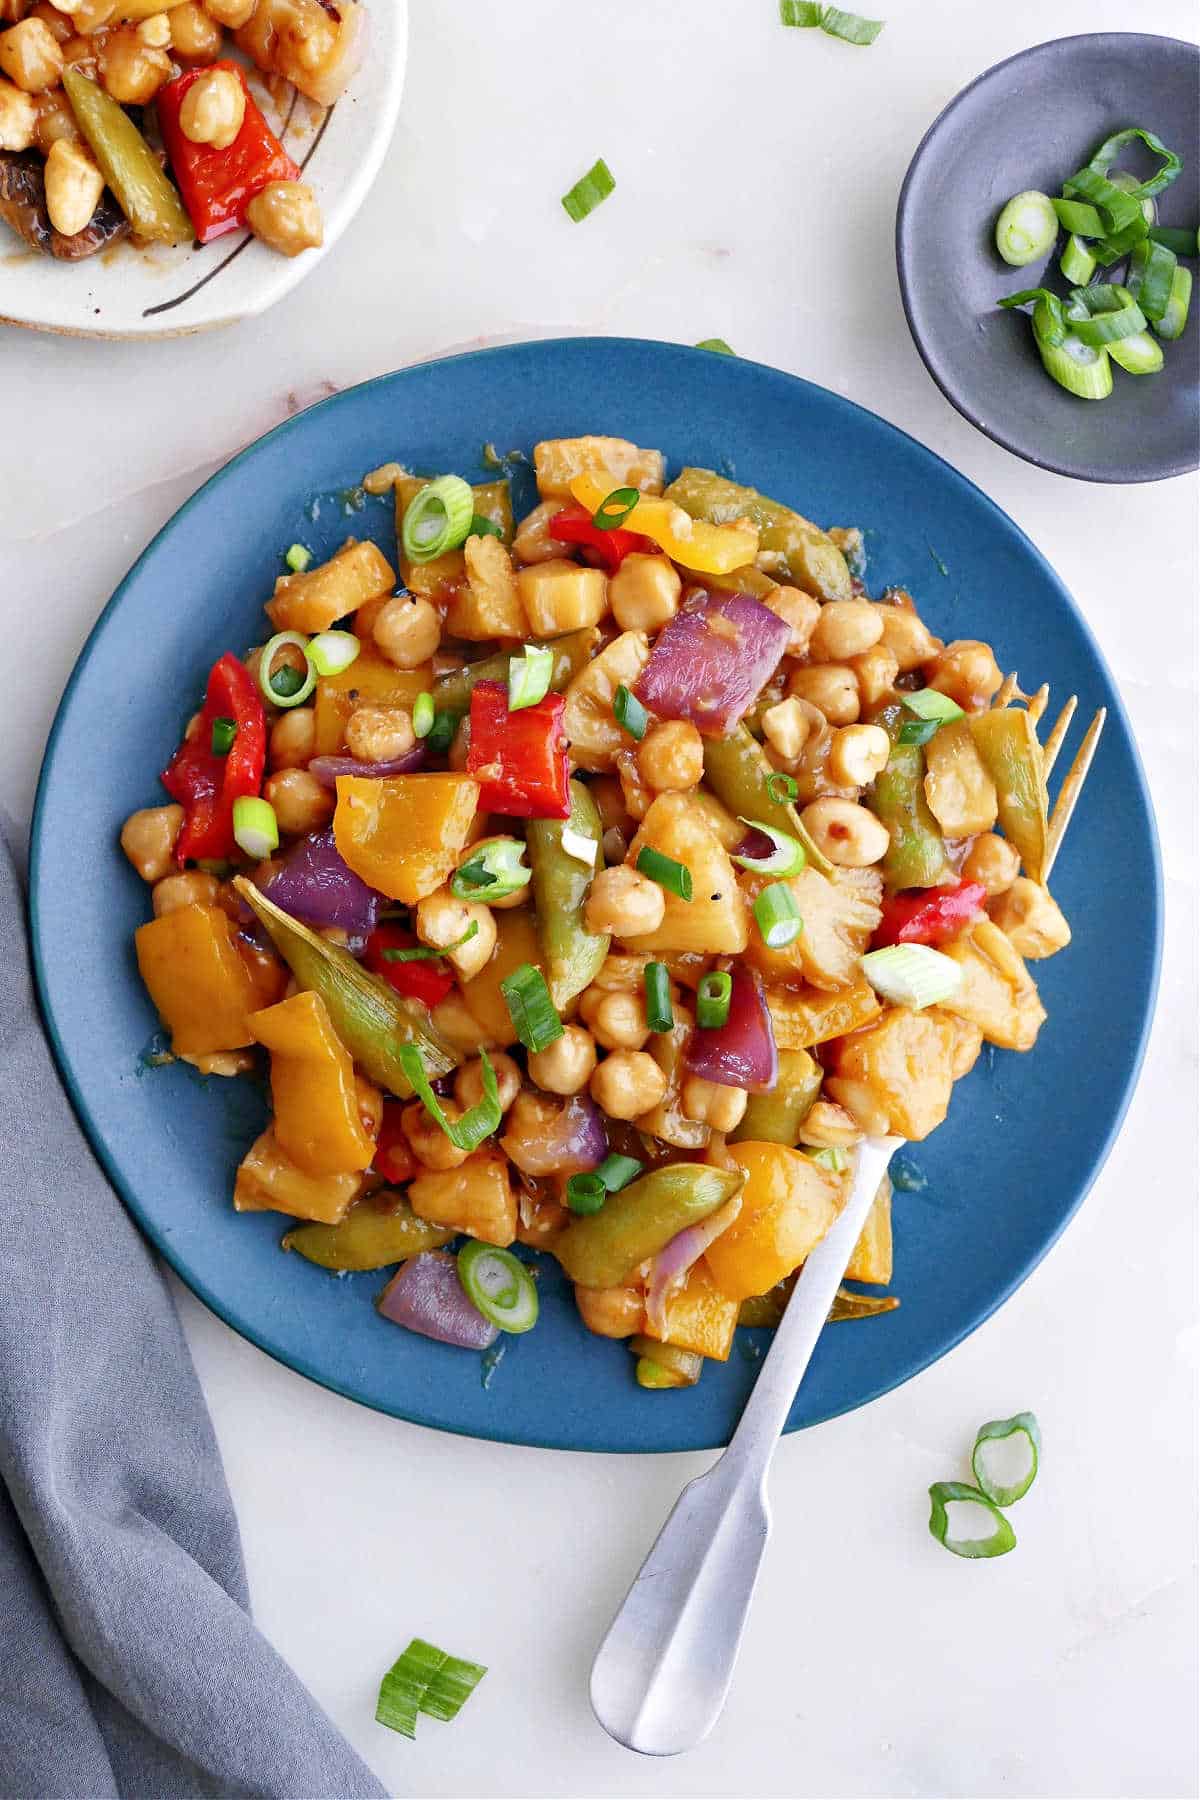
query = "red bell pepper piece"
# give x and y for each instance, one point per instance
(427, 979)
(930, 915)
(606, 549)
(393, 1157)
(217, 185)
(519, 758)
(205, 784)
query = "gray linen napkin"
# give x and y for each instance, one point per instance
(129, 1666)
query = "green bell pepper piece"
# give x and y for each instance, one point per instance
(776, 1118)
(570, 952)
(129, 166)
(916, 856)
(603, 1249)
(801, 549)
(1009, 749)
(572, 652)
(369, 1237)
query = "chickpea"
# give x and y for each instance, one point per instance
(993, 861)
(637, 797)
(876, 673)
(858, 753)
(60, 27)
(830, 687)
(148, 840)
(670, 758)
(907, 638)
(468, 1083)
(293, 738)
(193, 888)
(55, 120)
(627, 1084)
(967, 671)
(155, 31)
(19, 118)
(131, 71)
(83, 52)
(532, 542)
(850, 836)
(828, 1126)
(213, 109)
(231, 13)
(441, 921)
(799, 610)
(74, 185)
(86, 15)
(621, 975)
(428, 1141)
(786, 728)
(566, 1067)
(453, 1019)
(377, 734)
(301, 803)
(644, 592)
(31, 56)
(711, 1103)
(195, 37)
(862, 1104)
(1031, 919)
(617, 1019)
(845, 628)
(407, 632)
(286, 217)
(625, 903)
(616, 1312)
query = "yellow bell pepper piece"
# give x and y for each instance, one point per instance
(202, 988)
(317, 1123)
(709, 549)
(516, 943)
(788, 1204)
(268, 1181)
(369, 681)
(477, 1197)
(403, 834)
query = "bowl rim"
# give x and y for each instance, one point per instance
(904, 266)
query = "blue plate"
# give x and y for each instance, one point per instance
(985, 1197)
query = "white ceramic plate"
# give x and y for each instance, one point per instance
(161, 292)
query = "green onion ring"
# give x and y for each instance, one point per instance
(308, 681)
(615, 508)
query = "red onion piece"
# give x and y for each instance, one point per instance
(315, 885)
(755, 844)
(328, 768)
(713, 660)
(669, 1269)
(548, 1136)
(426, 1295)
(741, 1052)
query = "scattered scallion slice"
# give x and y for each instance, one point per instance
(831, 1158)
(1077, 263)
(437, 519)
(800, 12)
(1104, 157)
(1082, 369)
(481, 527)
(668, 873)
(255, 827)
(1099, 315)
(423, 714)
(966, 1523)
(1005, 1458)
(223, 733)
(617, 1171)
(1048, 324)
(777, 916)
(1117, 209)
(1151, 271)
(440, 735)
(912, 975)
(425, 1680)
(589, 191)
(782, 788)
(575, 844)
(499, 1285)
(1026, 228)
(1175, 313)
(718, 345)
(530, 1007)
(918, 731)
(493, 873)
(428, 952)
(1137, 355)
(1179, 243)
(660, 1015)
(287, 686)
(615, 508)
(786, 859)
(852, 28)
(586, 1193)
(330, 652)
(629, 712)
(478, 1122)
(298, 559)
(529, 676)
(712, 999)
(1078, 216)
(929, 703)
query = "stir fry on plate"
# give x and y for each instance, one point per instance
(596, 892)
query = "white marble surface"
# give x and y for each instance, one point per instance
(758, 172)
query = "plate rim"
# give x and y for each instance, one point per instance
(160, 1240)
(905, 276)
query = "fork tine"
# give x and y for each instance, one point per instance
(1038, 702)
(1069, 792)
(1054, 742)
(1008, 691)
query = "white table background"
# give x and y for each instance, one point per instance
(757, 174)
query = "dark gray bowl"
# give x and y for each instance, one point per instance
(1030, 123)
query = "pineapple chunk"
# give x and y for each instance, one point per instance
(714, 920)
(960, 792)
(320, 597)
(558, 461)
(489, 605)
(558, 596)
(477, 1197)
(1030, 919)
(997, 992)
(871, 1257)
(906, 1061)
(269, 1181)
(588, 719)
(839, 916)
(806, 1016)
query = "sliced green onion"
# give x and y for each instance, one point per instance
(298, 559)
(1151, 271)
(440, 735)
(666, 871)
(1137, 355)
(960, 1516)
(493, 874)
(530, 1008)
(831, 1158)
(425, 1680)
(800, 12)
(223, 733)
(1175, 315)
(499, 1285)
(928, 703)
(712, 999)
(529, 676)
(786, 859)
(476, 1124)
(1077, 263)
(1048, 324)
(1179, 243)
(586, 1193)
(1078, 216)
(481, 527)
(778, 916)
(617, 1172)
(1082, 369)
(918, 731)
(1103, 158)
(423, 714)
(1129, 184)
(582, 849)
(1005, 1458)
(589, 191)
(437, 519)
(852, 28)
(615, 508)
(1117, 209)
(1026, 228)
(287, 686)
(330, 652)
(717, 345)
(629, 712)
(427, 952)
(660, 1015)
(782, 788)
(1099, 315)
(912, 975)
(255, 827)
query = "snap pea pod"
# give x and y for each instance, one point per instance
(916, 856)
(791, 542)
(603, 1249)
(572, 652)
(737, 771)
(377, 1231)
(371, 1019)
(570, 952)
(128, 164)
(776, 1118)
(1008, 744)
